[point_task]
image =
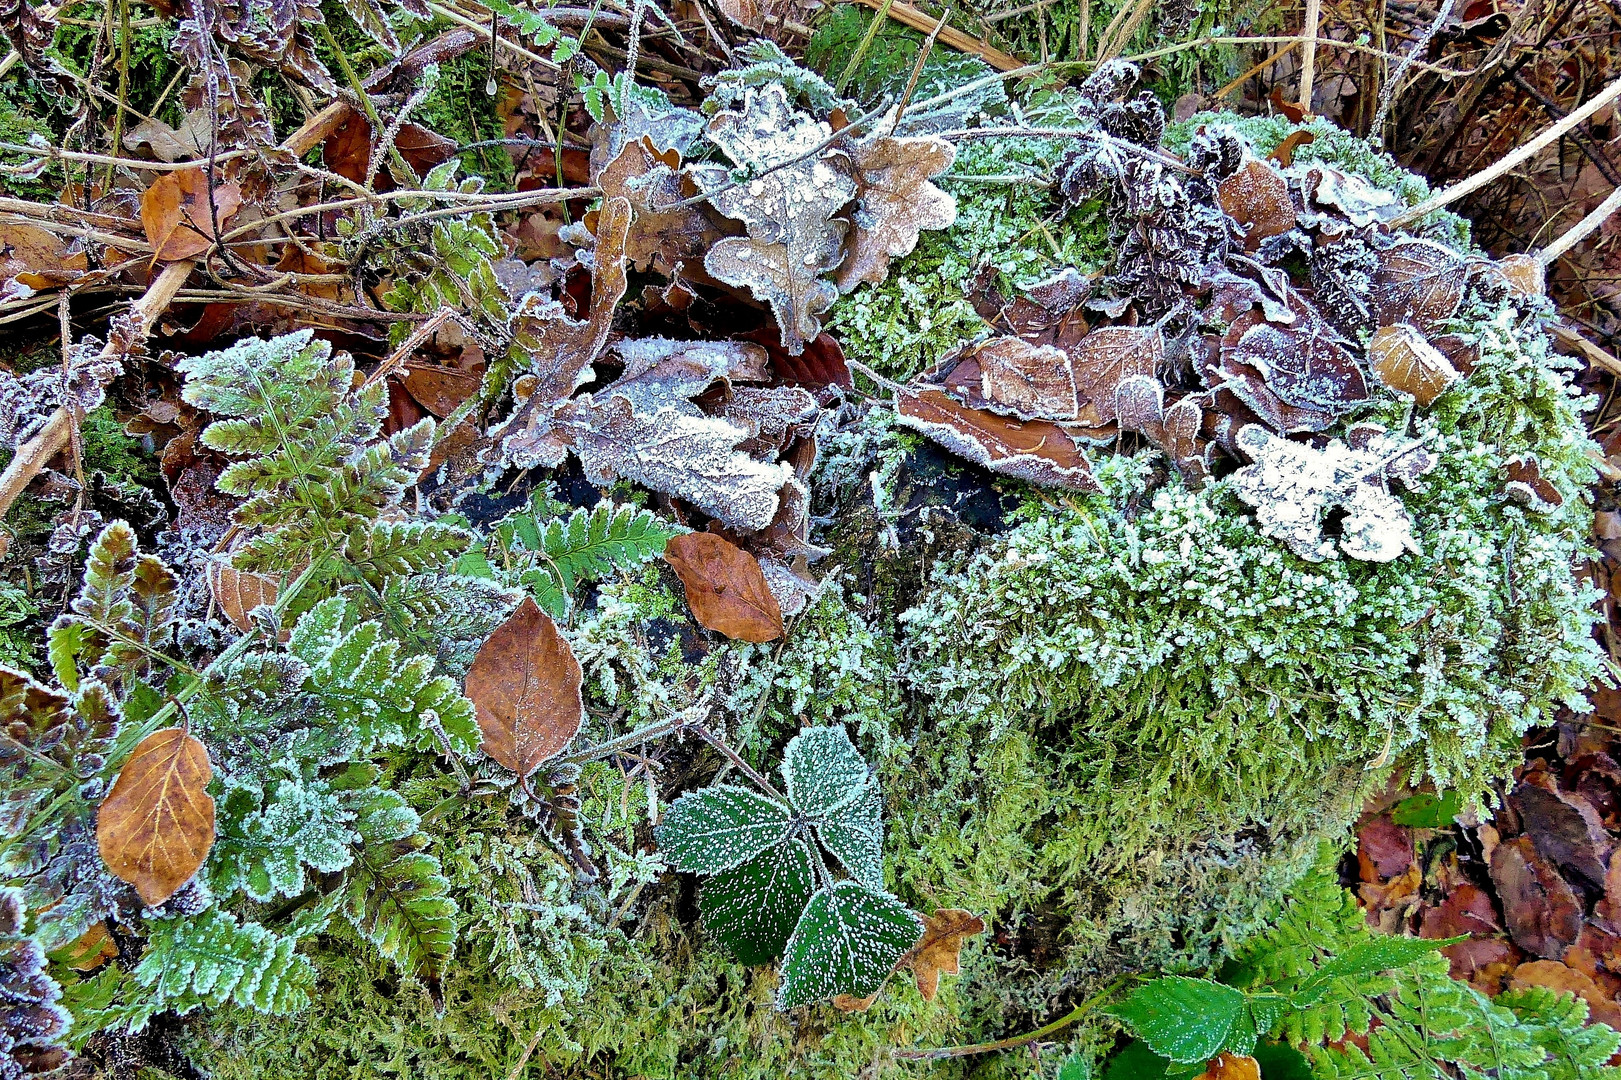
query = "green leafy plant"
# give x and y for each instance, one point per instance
(553, 558)
(769, 892)
(1320, 981)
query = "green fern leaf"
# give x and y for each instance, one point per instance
(262, 844)
(394, 894)
(210, 959)
(588, 545)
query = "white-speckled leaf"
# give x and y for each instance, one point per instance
(752, 909)
(847, 942)
(823, 770)
(854, 833)
(720, 827)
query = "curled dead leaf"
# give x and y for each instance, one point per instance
(1524, 274)
(180, 209)
(238, 592)
(525, 688)
(938, 950)
(1402, 360)
(156, 825)
(1257, 197)
(1527, 486)
(725, 587)
(1284, 152)
(91, 949)
(897, 202)
(1038, 451)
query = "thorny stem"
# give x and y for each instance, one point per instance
(1069, 1018)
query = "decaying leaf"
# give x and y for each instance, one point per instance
(1305, 364)
(91, 949)
(664, 235)
(1257, 197)
(897, 202)
(793, 236)
(440, 389)
(187, 142)
(238, 592)
(1037, 451)
(1106, 357)
(1284, 152)
(1032, 381)
(180, 209)
(1292, 487)
(725, 588)
(38, 258)
(1402, 360)
(1231, 1067)
(1525, 274)
(1419, 282)
(156, 825)
(1350, 196)
(937, 951)
(1140, 401)
(525, 687)
(1527, 486)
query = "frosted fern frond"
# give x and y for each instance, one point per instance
(588, 545)
(125, 611)
(266, 838)
(394, 894)
(210, 959)
(48, 742)
(761, 63)
(381, 550)
(32, 1024)
(310, 459)
(371, 696)
(448, 264)
(447, 616)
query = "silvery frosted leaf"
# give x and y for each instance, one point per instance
(753, 908)
(897, 202)
(847, 942)
(823, 770)
(855, 834)
(721, 827)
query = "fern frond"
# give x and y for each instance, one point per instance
(210, 959)
(387, 549)
(124, 613)
(394, 895)
(588, 545)
(264, 841)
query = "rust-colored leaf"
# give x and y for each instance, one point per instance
(156, 825)
(1419, 282)
(1542, 913)
(726, 589)
(1305, 364)
(1284, 152)
(1106, 357)
(1035, 381)
(897, 202)
(1231, 1067)
(38, 258)
(440, 389)
(92, 949)
(1257, 197)
(1402, 360)
(937, 951)
(238, 592)
(1524, 274)
(1291, 111)
(1527, 486)
(178, 213)
(1038, 451)
(1140, 402)
(525, 687)
(845, 1003)
(664, 234)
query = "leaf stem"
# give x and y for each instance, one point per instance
(1069, 1018)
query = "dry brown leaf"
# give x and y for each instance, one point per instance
(525, 686)
(440, 389)
(1525, 274)
(92, 949)
(1038, 451)
(38, 258)
(238, 592)
(664, 235)
(1140, 401)
(1034, 381)
(897, 203)
(1284, 152)
(1257, 197)
(1231, 1067)
(725, 588)
(1402, 360)
(1419, 282)
(1563, 979)
(1305, 365)
(1106, 357)
(156, 825)
(178, 215)
(1527, 486)
(1543, 915)
(937, 951)
(848, 1004)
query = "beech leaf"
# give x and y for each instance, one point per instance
(725, 588)
(1419, 282)
(897, 202)
(793, 237)
(1107, 356)
(177, 216)
(1257, 197)
(525, 688)
(938, 950)
(1037, 451)
(1403, 360)
(238, 592)
(156, 825)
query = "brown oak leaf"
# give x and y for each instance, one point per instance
(156, 825)
(525, 687)
(664, 234)
(178, 213)
(725, 588)
(937, 951)
(897, 202)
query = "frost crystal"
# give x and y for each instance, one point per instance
(1292, 486)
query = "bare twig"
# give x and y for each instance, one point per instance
(1580, 231)
(905, 13)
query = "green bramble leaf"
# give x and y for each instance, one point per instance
(752, 909)
(823, 770)
(721, 827)
(1188, 1020)
(847, 942)
(1427, 810)
(854, 833)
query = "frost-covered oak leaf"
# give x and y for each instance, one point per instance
(846, 943)
(793, 236)
(664, 235)
(897, 202)
(1292, 487)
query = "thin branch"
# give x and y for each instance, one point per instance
(1580, 231)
